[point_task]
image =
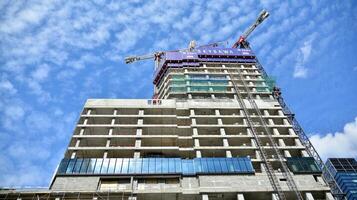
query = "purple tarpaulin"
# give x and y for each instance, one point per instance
(207, 54)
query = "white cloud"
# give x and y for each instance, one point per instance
(339, 144)
(7, 87)
(300, 70)
(41, 72)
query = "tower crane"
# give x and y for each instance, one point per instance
(242, 39)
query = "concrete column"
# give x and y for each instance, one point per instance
(280, 113)
(281, 142)
(73, 155)
(276, 131)
(228, 154)
(309, 196)
(197, 142)
(287, 153)
(193, 121)
(198, 154)
(222, 131)
(212, 96)
(240, 197)
(252, 141)
(204, 196)
(78, 142)
(136, 154)
(271, 122)
(81, 132)
(274, 196)
(108, 143)
(225, 142)
(286, 122)
(192, 112)
(105, 155)
(132, 198)
(137, 143)
(194, 132)
(291, 131)
(329, 196)
(219, 120)
(266, 113)
(217, 112)
(297, 142)
(140, 121)
(304, 153)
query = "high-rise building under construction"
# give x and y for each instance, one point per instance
(217, 128)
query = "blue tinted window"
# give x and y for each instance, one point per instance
(198, 167)
(224, 166)
(63, 166)
(91, 165)
(118, 166)
(105, 164)
(210, 166)
(178, 165)
(172, 166)
(70, 166)
(84, 166)
(145, 167)
(187, 167)
(237, 167)
(125, 166)
(152, 167)
(131, 169)
(138, 163)
(77, 166)
(111, 167)
(98, 166)
(158, 165)
(165, 165)
(230, 165)
(204, 165)
(217, 165)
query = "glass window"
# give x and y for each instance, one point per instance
(204, 165)
(105, 164)
(111, 167)
(230, 165)
(138, 163)
(125, 166)
(152, 168)
(118, 165)
(165, 165)
(217, 165)
(131, 168)
(70, 166)
(237, 166)
(198, 166)
(84, 166)
(172, 166)
(63, 166)
(77, 166)
(145, 167)
(91, 165)
(210, 166)
(98, 166)
(187, 167)
(223, 163)
(178, 165)
(158, 169)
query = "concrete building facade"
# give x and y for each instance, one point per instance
(215, 131)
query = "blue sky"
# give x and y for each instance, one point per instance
(56, 54)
